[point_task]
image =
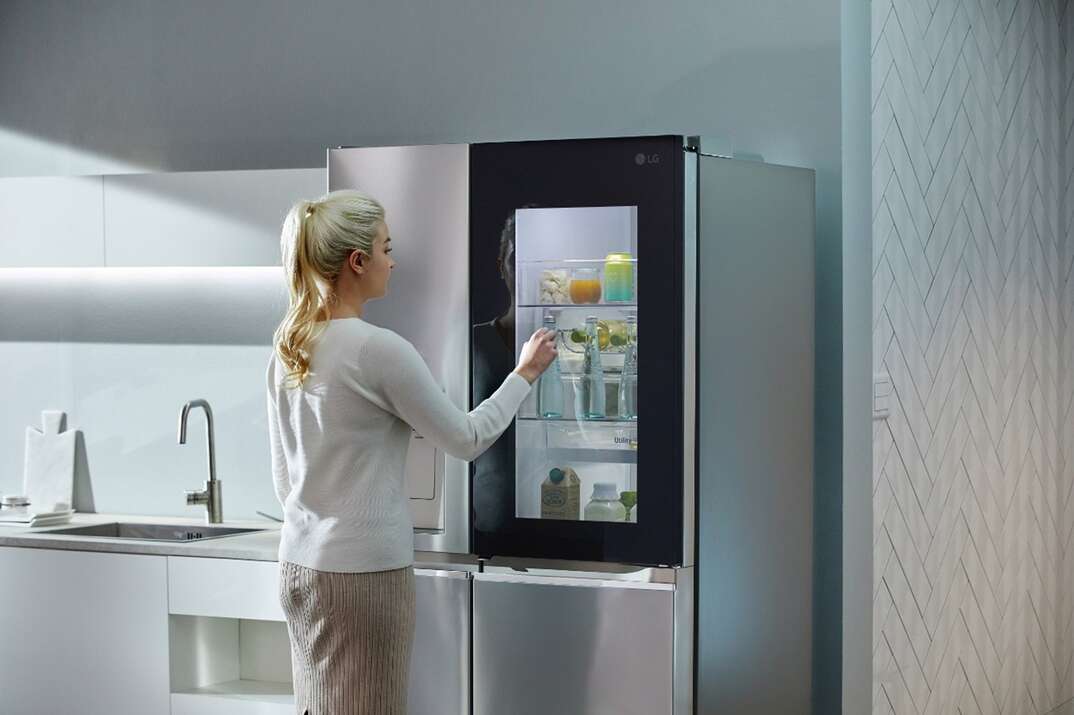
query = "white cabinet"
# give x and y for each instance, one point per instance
(230, 652)
(224, 588)
(202, 218)
(229, 666)
(51, 221)
(83, 633)
(111, 634)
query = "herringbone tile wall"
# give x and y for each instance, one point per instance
(973, 468)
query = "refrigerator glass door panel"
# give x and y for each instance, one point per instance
(423, 191)
(560, 453)
(562, 233)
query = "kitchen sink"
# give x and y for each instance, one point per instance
(152, 532)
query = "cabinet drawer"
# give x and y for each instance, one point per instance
(224, 588)
(571, 645)
(238, 697)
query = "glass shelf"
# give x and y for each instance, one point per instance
(601, 456)
(610, 421)
(580, 435)
(595, 282)
(573, 261)
(576, 306)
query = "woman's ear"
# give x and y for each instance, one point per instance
(355, 260)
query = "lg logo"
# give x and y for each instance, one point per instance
(642, 159)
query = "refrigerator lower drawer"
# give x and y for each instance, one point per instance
(555, 645)
(440, 659)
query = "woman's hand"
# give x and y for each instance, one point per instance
(537, 354)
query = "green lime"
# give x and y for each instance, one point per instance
(603, 335)
(628, 499)
(577, 336)
(618, 340)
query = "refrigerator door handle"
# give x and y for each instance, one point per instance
(579, 582)
(440, 573)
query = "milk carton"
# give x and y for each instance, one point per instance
(561, 495)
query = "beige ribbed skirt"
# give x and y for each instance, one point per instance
(351, 635)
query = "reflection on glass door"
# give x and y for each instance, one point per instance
(576, 450)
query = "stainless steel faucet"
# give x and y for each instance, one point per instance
(210, 496)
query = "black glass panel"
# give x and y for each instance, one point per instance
(596, 220)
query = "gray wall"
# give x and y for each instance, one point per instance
(972, 607)
(134, 86)
(857, 566)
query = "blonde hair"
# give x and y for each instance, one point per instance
(317, 238)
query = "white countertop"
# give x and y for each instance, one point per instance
(264, 546)
(255, 546)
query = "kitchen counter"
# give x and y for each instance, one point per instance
(255, 546)
(202, 625)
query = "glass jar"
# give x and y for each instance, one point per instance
(605, 504)
(585, 285)
(618, 278)
(15, 504)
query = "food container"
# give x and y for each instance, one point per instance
(15, 504)
(605, 504)
(553, 288)
(618, 278)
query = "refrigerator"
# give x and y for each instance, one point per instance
(603, 576)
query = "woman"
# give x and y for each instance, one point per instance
(343, 396)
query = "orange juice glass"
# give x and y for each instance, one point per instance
(585, 285)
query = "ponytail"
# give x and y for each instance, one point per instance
(316, 239)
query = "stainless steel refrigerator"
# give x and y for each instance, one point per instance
(579, 572)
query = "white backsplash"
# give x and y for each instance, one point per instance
(122, 362)
(126, 400)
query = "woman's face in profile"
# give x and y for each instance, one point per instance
(378, 269)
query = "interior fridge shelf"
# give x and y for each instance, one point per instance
(601, 456)
(609, 282)
(572, 261)
(576, 306)
(610, 421)
(609, 440)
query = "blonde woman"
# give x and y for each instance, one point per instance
(343, 395)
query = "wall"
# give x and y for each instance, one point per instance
(857, 612)
(144, 292)
(138, 86)
(1064, 508)
(972, 515)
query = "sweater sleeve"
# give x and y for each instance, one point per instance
(393, 369)
(280, 477)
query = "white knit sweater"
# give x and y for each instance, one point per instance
(339, 445)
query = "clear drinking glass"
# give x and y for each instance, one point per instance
(585, 285)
